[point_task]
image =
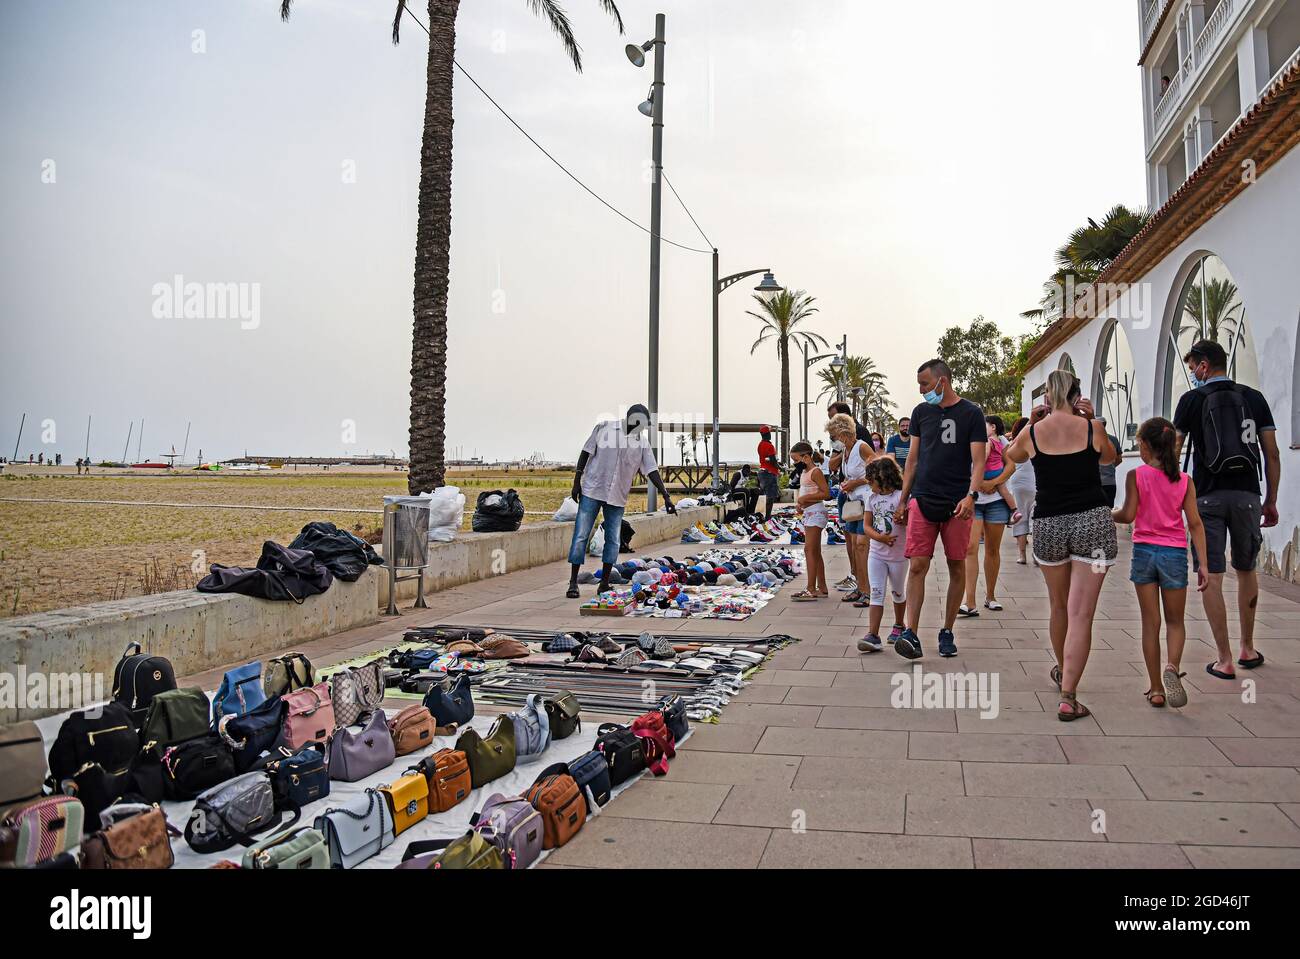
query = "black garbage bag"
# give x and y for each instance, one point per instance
(344, 555)
(281, 573)
(498, 512)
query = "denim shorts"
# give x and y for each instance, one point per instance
(1165, 566)
(855, 527)
(997, 512)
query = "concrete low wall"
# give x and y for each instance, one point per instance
(199, 631)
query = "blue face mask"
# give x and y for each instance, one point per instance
(933, 398)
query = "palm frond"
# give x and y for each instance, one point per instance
(609, 7)
(397, 21)
(559, 21)
(284, 9)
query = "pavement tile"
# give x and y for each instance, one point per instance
(670, 800)
(989, 748)
(1040, 854)
(1274, 784)
(610, 842)
(813, 809)
(1210, 823)
(1259, 752)
(1241, 857)
(1001, 817)
(1048, 781)
(724, 737)
(872, 777)
(887, 717)
(1143, 750)
(846, 743)
(770, 715)
(833, 850)
(699, 766)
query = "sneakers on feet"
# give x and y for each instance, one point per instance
(846, 584)
(908, 645)
(947, 644)
(869, 643)
(895, 633)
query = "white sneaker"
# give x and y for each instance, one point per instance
(847, 584)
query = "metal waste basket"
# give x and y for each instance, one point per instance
(406, 545)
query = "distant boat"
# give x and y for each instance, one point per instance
(148, 466)
(210, 467)
(247, 467)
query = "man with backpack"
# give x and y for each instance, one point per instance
(1233, 445)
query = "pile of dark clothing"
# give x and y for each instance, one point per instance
(306, 567)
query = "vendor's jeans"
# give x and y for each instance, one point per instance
(586, 522)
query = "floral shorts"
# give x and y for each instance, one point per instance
(1088, 537)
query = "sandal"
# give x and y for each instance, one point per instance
(1255, 663)
(994, 605)
(970, 612)
(1071, 709)
(1171, 679)
(573, 593)
(1152, 695)
(803, 596)
(1219, 674)
(1055, 675)
(852, 597)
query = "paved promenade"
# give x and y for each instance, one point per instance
(812, 767)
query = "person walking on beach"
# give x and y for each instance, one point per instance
(1157, 496)
(1073, 530)
(610, 459)
(940, 485)
(1234, 440)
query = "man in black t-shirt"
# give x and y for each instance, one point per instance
(1228, 496)
(945, 467)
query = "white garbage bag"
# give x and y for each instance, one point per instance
(446, 513)
(568, 511)
(597, 544)
(687, 503)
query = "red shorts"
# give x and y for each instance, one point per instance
(922, 535)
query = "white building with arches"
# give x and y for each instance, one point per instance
(1220, 257)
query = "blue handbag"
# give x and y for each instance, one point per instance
(450, 707)
(240, 692)
(301, 778)
(591, 772)
(253, 733)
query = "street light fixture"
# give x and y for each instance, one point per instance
(808, 363)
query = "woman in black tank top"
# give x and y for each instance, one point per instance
(1072, 529)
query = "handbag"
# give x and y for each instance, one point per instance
(674, 710)
(240, 692)
(309, 716)
(470, 851)
(563, 712)
(408, 801)
(353, 756)
(140, 840)
(489, 758)
(447, 772)
(22, 764)
(411, 729)
(532, 730)
(138, 678)
(559, 801)
(622, 750)
(591, 773)
(299, 778)
(196, 765)
(356, 691)
(252, 734)
(301, 848)
(512, 825)
(40, 830)
(853, 511)
(104, 735)
(174, 716)
(503, 647)
(284, 674)
(233, 812)
(357, 831)
(98, 788)
(413, 660)
(452, 707)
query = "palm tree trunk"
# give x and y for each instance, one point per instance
(785, 399)
(433, 260)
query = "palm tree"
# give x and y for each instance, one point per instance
(433, 228)
(1210, 306)
(858, 372)
(1087, 253)
(781, 315)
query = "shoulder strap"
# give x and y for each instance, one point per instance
(420, 847)
(1033, 438)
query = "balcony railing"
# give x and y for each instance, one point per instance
(1203, 50)
(1149, 19)
(1212, 33)
(1166, 104)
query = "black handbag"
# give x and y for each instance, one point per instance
(196, 765)
(564, 715)
(674, 712)
(254, 733)
(105, 736)
(450, 707)
(591, 773)
(98, 787)
(300, 778)
(622, 751)
(138, 677)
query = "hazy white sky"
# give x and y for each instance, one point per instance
(910, 165)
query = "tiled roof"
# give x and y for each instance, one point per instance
(1155, 31)
(1264, 135)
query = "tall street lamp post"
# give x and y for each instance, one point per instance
(838, 365)
(808, 363)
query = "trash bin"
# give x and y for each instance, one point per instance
(406, 544)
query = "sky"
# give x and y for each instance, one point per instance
(910, 166)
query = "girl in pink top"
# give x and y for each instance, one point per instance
(1157, 496)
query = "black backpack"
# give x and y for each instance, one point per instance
(1225, 448)
(622, 751)
(139, 677)
(105, 736)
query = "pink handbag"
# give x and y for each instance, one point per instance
(309, 716)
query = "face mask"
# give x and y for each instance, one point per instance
(934, 398)
(1197, 381)
(837, 446)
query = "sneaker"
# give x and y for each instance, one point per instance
(834, 539)
(846, 584)
(895, 633)
(869, 643)
(947, 644)
(908, 645)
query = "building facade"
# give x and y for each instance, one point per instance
(1220, 257)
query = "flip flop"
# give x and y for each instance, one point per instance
(1255, 663)
(803, 596)
(1219, 675)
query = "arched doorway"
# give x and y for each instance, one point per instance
(1115, 391)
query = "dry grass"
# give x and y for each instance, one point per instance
(55, 555)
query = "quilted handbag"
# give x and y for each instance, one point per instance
(470, 851)
(447, 772)
(22, 764)
(591, 773)
(408, 801)
(559, 801)
(140, 839)
(357, 831)
(501, 646)
(512, 825)
(301, 848)
(564, 713)
(196, 765)
(532, 730)
(174, 716)
(240, 692)
(300, 778)
(40, 830)
(252, 734)
(674, 709)
(492, 757)
(622, 750)
(411, 729)
(139, 677)
(452, 707)
(309, 716)
(355, 755)
(233, 812)
(284, 674)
